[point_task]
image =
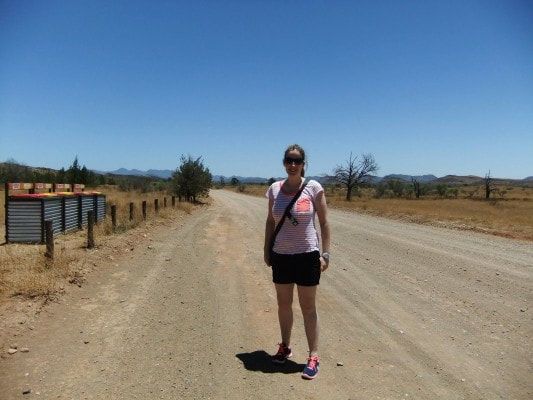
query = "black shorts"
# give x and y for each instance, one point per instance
(302, 269)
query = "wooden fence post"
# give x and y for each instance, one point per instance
(156, 205)
(164, 202)
(90, 229)
(144, 209)
(114, 216)
(173, 201)
(131, 211)
(49, 229)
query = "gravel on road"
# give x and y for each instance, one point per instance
(406, 311)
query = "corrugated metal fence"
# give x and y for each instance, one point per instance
(26, 213)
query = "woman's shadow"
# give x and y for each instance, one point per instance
(260, 360)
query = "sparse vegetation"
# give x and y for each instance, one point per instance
(460, 207)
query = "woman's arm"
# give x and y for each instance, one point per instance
(270, 226)
(322, 212)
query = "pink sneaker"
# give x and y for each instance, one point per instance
(311, 369)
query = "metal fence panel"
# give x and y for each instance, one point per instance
(71, 213)
(24, 221)
(87, 204)
(100, 207)
(53, 212)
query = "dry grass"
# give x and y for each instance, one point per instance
(510, 216)
(122, 201)
(26, 272)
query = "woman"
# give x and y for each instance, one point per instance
(296, 257)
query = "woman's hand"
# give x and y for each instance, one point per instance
(266, 257)
(269, 232)
(322, 212)
(323, 264)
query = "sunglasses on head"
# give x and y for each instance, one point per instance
(290, 160)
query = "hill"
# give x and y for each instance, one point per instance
(460, 180)
(455, 180)
(159, 173)
(16, 171)
(407, 178)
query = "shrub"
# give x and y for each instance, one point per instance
(191, 179)
(441, 189)
(380, 190)
(452, 192)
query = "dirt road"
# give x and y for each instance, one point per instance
(410, 311)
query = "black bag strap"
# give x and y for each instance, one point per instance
(286, 214)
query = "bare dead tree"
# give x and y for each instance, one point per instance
(416, 186)
(489, 186)
(355, 172)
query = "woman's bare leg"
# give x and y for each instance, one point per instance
(307, 297)
(285, 294)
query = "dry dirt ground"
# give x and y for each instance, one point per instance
(410, 311)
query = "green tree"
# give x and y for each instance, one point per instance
(84, 175)
(13, 171)
(271, 181)
(61, 176)
(441, 189)
(396, 186)
(74, 172)
(191, 179)
(101, 179)
(91, 178)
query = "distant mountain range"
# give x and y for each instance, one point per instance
(159, 173)
(448, 179)
(420, 178)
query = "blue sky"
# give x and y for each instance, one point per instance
(426, 86)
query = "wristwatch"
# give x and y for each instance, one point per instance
(325, 256)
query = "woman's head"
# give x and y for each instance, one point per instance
(294, 160)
